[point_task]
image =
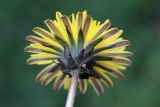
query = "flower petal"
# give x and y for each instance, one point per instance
(115, 53)
(111, 71)
(43, 33)
(79, 18)
(91, 32)
(42, 58)
(121, 43)
(44, 42)
(67, 82)
(97, 86)
(87, 24)
(59, 33)
(83, 85)
(109, 37)
(67, 23)
(102, 28)
(36, 48)
(120, 60)
(110, 32)
(50, 68)
(59, 82)
(105, 79)
(39, 60)
(49, 78)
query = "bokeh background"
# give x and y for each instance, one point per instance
(140, 19)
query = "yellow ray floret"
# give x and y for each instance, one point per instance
(82, 44)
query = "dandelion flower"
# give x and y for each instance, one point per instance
(78, 45)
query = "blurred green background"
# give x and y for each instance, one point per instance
(140, 19)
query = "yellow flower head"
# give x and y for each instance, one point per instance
(78, 43)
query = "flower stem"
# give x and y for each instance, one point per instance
(72, 90)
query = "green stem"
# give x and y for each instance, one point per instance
(72, 90)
